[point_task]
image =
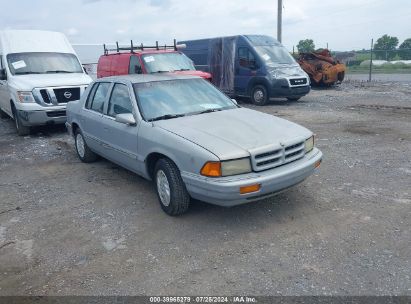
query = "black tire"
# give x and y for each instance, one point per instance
(3, 114)
(85, 154)
(293, 98)
(179, 199)
(259, 95)
(21, 129)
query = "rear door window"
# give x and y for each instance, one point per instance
(100, 96)
(120, 102)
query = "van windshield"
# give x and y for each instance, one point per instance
(43, 63)
(167, 62)
(274, 55)
(180, 97)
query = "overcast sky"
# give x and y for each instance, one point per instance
(345, 25)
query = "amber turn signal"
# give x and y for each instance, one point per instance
(317, 164)
(249, 189)
(211, 169)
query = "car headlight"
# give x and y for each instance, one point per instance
(226, 168)
(25, 97)
(309, 144)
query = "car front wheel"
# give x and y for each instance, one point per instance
(171, 191)
(83, 151)
(21, 129)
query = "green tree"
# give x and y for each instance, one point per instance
(405, 49)
(306, 45)
(385, 47)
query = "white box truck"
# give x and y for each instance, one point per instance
(39, 74)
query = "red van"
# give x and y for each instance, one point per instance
(146, 60)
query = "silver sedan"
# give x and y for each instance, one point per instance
(191, 139)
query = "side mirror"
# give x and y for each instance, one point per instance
(3, 75)
(235, 101)
(126, 118)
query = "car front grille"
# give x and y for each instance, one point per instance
(298, 81)
(56, 113)
(277, 157)
(57, 95)
(45, 96)
(64, 95)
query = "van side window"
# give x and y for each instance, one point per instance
(246, 58)
(97, 104)
(120, 102)
(135, 66)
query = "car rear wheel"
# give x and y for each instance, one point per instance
(21, 129)
(259, 95)
(170, 188)
(83, 151)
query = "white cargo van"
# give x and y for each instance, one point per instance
(39, 74)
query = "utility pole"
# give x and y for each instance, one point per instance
(369, 76)
(279, 20)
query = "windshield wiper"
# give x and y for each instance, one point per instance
(209, 111)
(161, 72)
(166, 116)
(59, 71)
(183, 70)
(28, 72)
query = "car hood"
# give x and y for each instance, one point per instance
(32, 81)
(236, 133)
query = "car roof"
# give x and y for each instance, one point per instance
(143, 78)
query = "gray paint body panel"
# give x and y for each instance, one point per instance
(191, 141)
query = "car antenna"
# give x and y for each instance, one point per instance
(105, 50)
(157, 45)
(118, 49)
(175, 45)
(132, 47)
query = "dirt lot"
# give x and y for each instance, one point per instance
(73, 228)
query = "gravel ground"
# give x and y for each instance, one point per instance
(68, 228)
(405, 77)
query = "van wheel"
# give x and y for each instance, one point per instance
(21, 129)
(170, 188)
(83, 151)
(293, 98)
(259, 95)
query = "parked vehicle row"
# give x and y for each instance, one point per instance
(153, 113)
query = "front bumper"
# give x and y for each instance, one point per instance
(225, 191)
(42, 117)
(280, 89)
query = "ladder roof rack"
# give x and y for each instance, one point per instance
(141, 47)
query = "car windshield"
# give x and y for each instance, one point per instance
(43, 63)
(274, 55)
(167, 62)
(179, 97)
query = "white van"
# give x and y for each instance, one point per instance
(39, 74)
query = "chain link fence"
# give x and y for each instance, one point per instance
(373, 62)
